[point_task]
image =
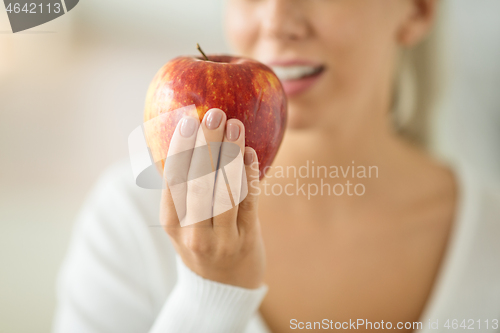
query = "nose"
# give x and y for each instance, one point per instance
(285, 20)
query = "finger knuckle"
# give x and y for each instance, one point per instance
(199, 247)
(229, 152)
(200, 187)
(172, 231)
(226, 250)
(223, 198)
(175, 179)
(246, 204)
(169, 223)
(246, 249)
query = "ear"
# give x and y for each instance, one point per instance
(419, 19)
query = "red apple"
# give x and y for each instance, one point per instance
(243, 88)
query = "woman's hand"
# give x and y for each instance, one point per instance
(227, 247)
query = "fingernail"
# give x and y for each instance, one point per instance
(248, 157)
(213, 119)
(232, 131)
(188, 126)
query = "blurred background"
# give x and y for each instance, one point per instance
(73, 89)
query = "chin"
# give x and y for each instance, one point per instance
(301, 117)
(298, 118)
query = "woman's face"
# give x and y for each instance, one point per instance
(335, 58)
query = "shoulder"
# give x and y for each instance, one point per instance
(479, 198)
(468, 285)
(477, 224)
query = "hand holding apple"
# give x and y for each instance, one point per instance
(243, 88)
(228, 247)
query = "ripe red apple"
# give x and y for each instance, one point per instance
(243, 88)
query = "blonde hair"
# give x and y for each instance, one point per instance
(420, 85)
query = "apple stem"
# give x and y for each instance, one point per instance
(201, 51)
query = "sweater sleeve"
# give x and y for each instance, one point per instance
(108, 281)
(200, 305)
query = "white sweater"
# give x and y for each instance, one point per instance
(122, 274)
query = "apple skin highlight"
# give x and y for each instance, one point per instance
(243, 88)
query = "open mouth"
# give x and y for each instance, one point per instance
(297, 79)
(288, 73)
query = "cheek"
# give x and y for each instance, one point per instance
(357, 41)
(242, 27)
(356, 22)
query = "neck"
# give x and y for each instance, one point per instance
(369, 144)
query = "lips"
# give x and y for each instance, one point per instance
(287, 73)
(297, 76)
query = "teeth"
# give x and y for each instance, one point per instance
(285, 73)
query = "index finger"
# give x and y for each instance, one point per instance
(175, 172)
